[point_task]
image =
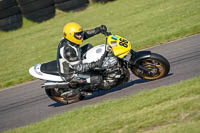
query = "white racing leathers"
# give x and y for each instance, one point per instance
(69, 58)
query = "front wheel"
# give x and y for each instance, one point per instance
(151, 68)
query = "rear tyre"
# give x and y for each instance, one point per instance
(156, 65)
(55, 94)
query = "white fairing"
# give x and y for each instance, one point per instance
(35, 72)
(94, 54)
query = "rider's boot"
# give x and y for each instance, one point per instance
(92, 79)
(95, 80)
(72, 95)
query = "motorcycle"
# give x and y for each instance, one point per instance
(118, 59)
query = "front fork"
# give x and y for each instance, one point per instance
(143, 68)
(136, 56)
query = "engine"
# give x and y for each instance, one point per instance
(112, 71)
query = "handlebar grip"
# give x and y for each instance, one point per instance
(107, 33)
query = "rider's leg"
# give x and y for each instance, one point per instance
(95, 79)
(87, 79)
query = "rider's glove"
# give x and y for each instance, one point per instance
(103, 28)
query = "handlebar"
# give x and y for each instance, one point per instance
(106, 33)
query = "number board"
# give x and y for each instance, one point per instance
(123, 42)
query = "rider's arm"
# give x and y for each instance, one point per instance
(75, 63)
(89, 33)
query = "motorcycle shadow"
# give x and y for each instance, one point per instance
(126, 85)
(104, 92)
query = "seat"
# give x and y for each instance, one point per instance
(50, 68)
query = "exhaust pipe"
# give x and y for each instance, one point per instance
(52, 85)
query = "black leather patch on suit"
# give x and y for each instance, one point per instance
(70, 54)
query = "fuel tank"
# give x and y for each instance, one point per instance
(94, 54)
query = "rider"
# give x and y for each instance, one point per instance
(70, 53)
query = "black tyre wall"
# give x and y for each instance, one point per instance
(9, 12)
(71, 4)
(102, 1)
(41, 14)
(37, 10)
(59, 1)
(35, 5)
(25, 2)
(4, 4)
(11, 22)
(10, 15)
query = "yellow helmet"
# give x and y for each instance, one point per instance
(73, 32)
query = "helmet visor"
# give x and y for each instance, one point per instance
(78, 35)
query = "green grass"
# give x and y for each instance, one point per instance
(168, 109)
(144, 23)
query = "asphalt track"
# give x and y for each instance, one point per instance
(28, 103)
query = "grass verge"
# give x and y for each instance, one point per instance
(174, 109)
(144, 23)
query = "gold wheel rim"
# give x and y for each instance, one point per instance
(59, 98)
(148, 65)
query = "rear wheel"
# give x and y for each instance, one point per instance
(151, 68)
(58, 95)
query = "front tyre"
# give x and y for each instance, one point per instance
(151, 68)
(56, 95)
